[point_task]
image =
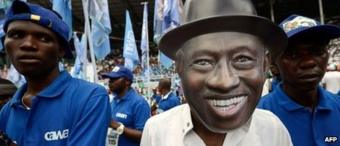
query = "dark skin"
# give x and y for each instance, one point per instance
(164, 86)
(302, 67)
(221, 66)
(121, 86)
(34, 51)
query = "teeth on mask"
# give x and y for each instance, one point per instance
(227, 102)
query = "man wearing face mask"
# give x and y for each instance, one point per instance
(220, 56)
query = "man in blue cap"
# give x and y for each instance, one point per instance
(130, 110)
(52, 108)
(310, 113)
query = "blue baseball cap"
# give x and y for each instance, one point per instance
(47, 18)
(296, 25)
(119, 71)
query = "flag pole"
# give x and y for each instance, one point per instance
(88, 36)
(146, 39)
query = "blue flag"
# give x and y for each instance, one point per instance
(130, 49)
(2, 33)
(81, 58)
(100, 27)
(4, 5)
(168, 15)
(64, 9)
(144, 46)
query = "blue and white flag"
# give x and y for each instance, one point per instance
(81, 58)
(168, 15)
(15, 77)
(2, 33)
(158, 20)
(100, 27)
(144, 46)
(64, 9)
(4, 5)
(130, 49)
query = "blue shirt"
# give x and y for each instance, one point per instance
(156, 97)
(133, 111)
(307, 128)
(171, 101)
(68, 112)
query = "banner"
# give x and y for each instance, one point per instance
(100, 27)
(64, 9)
(130, 49)
(168, 15)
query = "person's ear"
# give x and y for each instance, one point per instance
(266, 62)
(61, 52)
(179, 62)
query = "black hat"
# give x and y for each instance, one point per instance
(209, 16)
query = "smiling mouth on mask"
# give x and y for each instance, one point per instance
(228, 106)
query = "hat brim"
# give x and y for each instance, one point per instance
(269, 33)
(329, 31)
(112, 75)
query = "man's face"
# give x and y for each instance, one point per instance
(303, 65)
(222, 76)
(34, 50)
(117, 85)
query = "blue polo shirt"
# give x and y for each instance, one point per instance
(133, 111)
(307, 128)
(68, 112)
(171, 101)
(156, 97)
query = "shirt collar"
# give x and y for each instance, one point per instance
(324, 103)
(124, 97)
(235, 135)
(51, 91)
(166, 95)
(290, 105)
(57, 86)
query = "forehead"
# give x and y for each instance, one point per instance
(223, 41)
(309, 45)
(29, 26)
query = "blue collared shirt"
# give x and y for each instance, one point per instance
(133, 111)
(170, 101)
(307, 128)
(68, 112)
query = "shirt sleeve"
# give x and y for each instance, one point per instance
(142, 114)
(91, 127)
(146, 137)
(4, 113)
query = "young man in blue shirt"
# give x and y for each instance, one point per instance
(168, 99)
(310, 113)
(130, 110)
(52, 108)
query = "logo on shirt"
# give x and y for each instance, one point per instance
(331, 139)
(56, 135)
(121, 115)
